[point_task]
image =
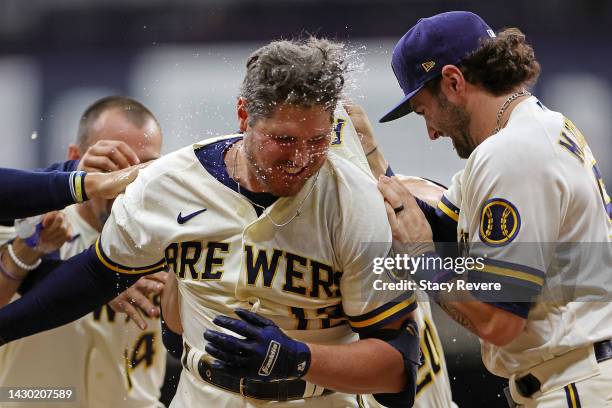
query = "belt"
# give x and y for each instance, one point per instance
(198, 363)
(529, 384)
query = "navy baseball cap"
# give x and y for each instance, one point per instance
(431, 44)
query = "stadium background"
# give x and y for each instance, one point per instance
(185, 60)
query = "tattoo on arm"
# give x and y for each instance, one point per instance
(458, 317)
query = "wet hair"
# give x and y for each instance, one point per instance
(500, 65)
(304, 73)
(135, 112)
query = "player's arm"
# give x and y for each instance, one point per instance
(93, 277)
(20, 257)
(350, 368)
(27, 193)
(75, 288)
(172, 328)
(512, 252)
(429, 195)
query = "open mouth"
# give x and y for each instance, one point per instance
(293, 171)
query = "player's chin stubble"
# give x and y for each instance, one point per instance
(458, 120)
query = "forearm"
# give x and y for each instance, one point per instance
(363, 367)
(27, 193)
(70, 291)
(12, 275)
(488, 322)
(377, 162)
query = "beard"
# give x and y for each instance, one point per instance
(456, 125)
(270, 175)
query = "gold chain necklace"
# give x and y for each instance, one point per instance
(265, 209)
(503, 108)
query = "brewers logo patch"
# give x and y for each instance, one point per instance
(499, 222)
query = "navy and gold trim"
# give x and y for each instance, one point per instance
(571, 395)
(500, 222)
(511, 272)
(77, 186)
(385, 314)
(519, 285)
(448, 209)
(115, 267)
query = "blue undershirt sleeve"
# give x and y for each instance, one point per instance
(75, 288)
(27, 193)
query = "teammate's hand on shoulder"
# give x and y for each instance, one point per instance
(265, 353)
(108, 155)
(55, 232)
(137, 299)
(362, 124)
(408, 223)
(109, 185)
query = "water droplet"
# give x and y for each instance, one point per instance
(34, 135)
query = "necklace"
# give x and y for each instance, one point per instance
(503, 108)
(264, 209)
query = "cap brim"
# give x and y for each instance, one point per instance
(401, 109)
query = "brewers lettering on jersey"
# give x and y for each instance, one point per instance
(531, 199)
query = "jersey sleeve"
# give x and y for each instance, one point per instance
(513, 222)
(133, 240)
(345, 141)
(450, 203)
(363, 241)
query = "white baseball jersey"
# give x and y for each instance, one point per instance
(313, 276)
(531, 199)
(106, 359)
(433, 384)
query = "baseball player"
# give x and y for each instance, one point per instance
(433, 386)
(264, 221)
(104, 356)
(530, 202)
(27, 193)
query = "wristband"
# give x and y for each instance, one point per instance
(77, 186)
(19, 262)
(8, 274)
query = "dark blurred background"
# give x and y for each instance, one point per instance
(184, 59)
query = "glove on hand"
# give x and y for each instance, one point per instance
(266, 353)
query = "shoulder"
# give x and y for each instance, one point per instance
(178, 170)
(525, 147)
(349, 179)
(353, 195)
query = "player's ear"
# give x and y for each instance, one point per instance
(243, 114)
(74, 153)
(453, 83)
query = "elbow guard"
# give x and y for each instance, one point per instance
(406, 341)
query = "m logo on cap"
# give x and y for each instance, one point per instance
(427, 66)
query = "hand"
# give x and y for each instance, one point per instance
(106, 156)
(362, 124)
(136, 298)
(408, 225)
(109, 185)
(266, 353)
(55, 232)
